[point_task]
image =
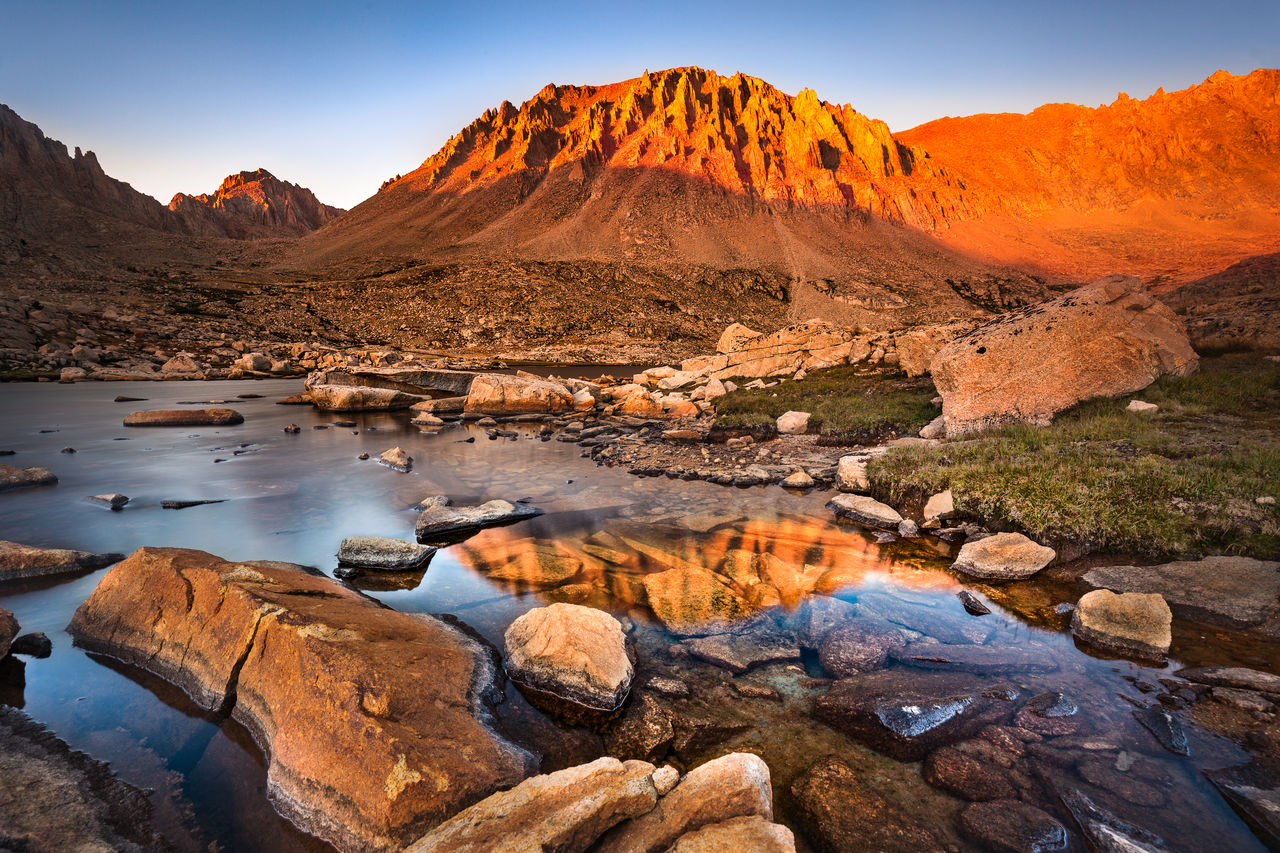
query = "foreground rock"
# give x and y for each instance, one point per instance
(576, 653)
(1237, 592)
(359, 398)
(499, 394)
(1130, 623)
(185, 417)
(12, 477)
(396, 459)
(1005, 556)
(741, 833)
(55, 798)
(378, 552)
(9, 629)
(24, 561)
(405, 743)
(1012, 826)
(865, 510)
(842, 814)
(1102, 340)
(443, 520)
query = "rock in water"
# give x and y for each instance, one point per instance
(359, 398)
(113, 501)
(576, 653)
(1238, 677)
(378, 552)
(865, 510)
(405, 743)
(1012, 826)
(25, 561)
(1166, 728)
(8, 630)
(1102, 340)
(1107, 833)
(860, 646)
(842, 814)
(798, 480)
(36, 644)
(1255, 795)
(396, 459)
(12, 477)
(185, 417)
(972, 603)
(1005, 556)
(440, 520)
(1130, 623)
(499, 394)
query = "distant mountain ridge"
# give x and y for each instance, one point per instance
(253, 204)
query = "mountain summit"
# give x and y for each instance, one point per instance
(253, 204)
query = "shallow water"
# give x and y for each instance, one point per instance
(294, 497)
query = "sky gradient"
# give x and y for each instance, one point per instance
(174, 96)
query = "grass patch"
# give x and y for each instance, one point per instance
(1181, 482)
(848, 405)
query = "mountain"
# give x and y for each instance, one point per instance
(253, 204)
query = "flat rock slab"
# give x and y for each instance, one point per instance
(980, 660)
(1005, 556)
(404, 743)
(865, 510)
(25, 561)
(1255, 796)
(576, 653)
(1104, 831)
(441, 521)
(1130, 623)
(1239, 677)
(934, 622)
(906, 714)
(378, 552)
(13, 477)
(356, 398)
(1013, 826)
(862, 645)
(184, 417)
(1237, 592)
(740, 651)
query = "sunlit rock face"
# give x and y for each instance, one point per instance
(404, 742)
(253, 204)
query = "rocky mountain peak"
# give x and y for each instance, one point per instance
(253, 204)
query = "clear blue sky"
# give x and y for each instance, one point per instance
(174, 95)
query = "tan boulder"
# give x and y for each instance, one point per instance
(26, 561)
(851, 475)
(181, 363)
(865, 510)
(576, 653)
(733, 338)
(1003, 557)
(1105, 339)
(359, 398)
(1131, 623)
(793, 423)
(404, 743)
(499, 394)
(917, 347)
(185, 417)
(754, 833)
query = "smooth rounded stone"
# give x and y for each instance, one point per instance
(665, 778)
(113, 501)
(1138, 407)
(1051, 714)
(938, 508)
(13, 477)
(793, 423)
(1165, 727)
(378, 552)
(1130, 623)
(577, 653)
(396, 459)
(754, 834)
(292, 429)
(842, 814)
(972, 603)
(9, 629)
(851, 475)
(564, 811)
(906, 714)
(1004, 556)
(185, 417)
(1236, 592)
(981, 660)
(444, 520)
(739, 651)
(798, 480)
(405, 742)
(734, 785)
(967, 776)
(1012, 826)
(865, 510)
(644, 732)
(860, 646)
(1244, 700)
(36, 644)
(1239, 677)
(1105, 832)
(60, 799)
(25, 561)
(426, 419)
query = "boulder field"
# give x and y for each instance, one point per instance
(404, 743)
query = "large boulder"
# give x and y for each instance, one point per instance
(576, 653)
(734, 338)
(359, 398)
(184, 417)
(500, 394)
(405, 742)
(917, 347)
(807, 345)
(1102, 340)
(420, 381)
(25, 561)
(1003, 557)
(12, 477)
(1131, 623)
(865, 510)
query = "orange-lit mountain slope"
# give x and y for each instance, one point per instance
(253, 204)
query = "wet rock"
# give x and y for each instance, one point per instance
(1106, 833)
(907, 714)
(842, 814)
(293, 429)
(865, 510)
(972, 603)
(12, 477)
(1236, 592)
(734, 785)
(1011, 826)
(644, 732)
(739, 651)
(427, 420)
(851, 475)
(1254, 794)
(860, 646)
(798, 480)
(793, 423)
(969, 777)
(405, 744)
(440, 521)
(1130, 623)
(673, 687)
(25, 561)
(1051, 714)
(754, 834)
(1005, 556)
(500, 394)
(396, 459)
(378, 552)
(980, 660)
(114, 501)
(8, 630)
(816, 616)
(1166, 727)
(576, 653)
(36, 644)
(1104, 772)
(695, 735)
(68, 450)
(56, 798)
(563, 811)
(185, 417)
(186, 504)
(690, 601)
(1239, 677)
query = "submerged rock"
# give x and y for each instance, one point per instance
(1129, 623)
(442, 520)
(405, 744)
(1166, 728)
(841, 813)
(1005, 556)
(865, 510)
(644, 732)
(860, 646)
(378, 552)
(12, 477)
(185, 417)
(981, 660)
(576, 653)
(739, 651)
(1012, 826)
(1239, 677)
(25, 561)
(1105, 832)
(690, 601)
(1254, 794)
